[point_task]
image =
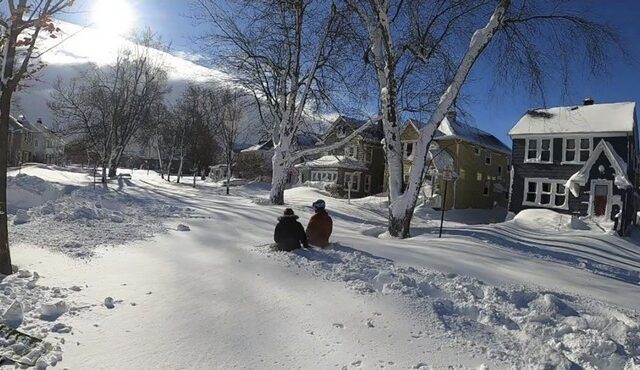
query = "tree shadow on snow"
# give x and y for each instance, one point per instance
(575, 254)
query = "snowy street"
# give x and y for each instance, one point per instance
(216, 297)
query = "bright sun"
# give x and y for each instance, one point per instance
(113, 16)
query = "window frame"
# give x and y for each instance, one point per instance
(486, 189)
(404, 149)
(353, 147)
(538, 149)
(352, 175)
(479, 176)
(367, 183)
(368, 154)
(552, 193)
(500, 171)
(576, 150)
(476, 150)
(487, 158)
(331, 176)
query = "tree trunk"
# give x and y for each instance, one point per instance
(5, 254)
(103, 176)
(278, 183)
(400, 226)
(228, 172)
(160, 163)
(180, 169)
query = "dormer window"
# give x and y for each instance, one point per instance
(539, 150)
(342, 131)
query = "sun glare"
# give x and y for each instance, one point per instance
(113, 16)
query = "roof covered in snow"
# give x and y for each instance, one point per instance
(334, 161)
(450, 128)
(372, 133)
(611, 117)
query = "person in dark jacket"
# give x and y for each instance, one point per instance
(320, 226)
(289, 234)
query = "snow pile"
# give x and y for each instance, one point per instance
(24, 192)
(38, 311)
(88, 218)
(548, 220)
(529, 328)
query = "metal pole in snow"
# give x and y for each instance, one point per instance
(444, 202)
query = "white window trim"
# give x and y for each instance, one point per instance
(367, 183)
(324, 176)
(538, 150)
(479, 176)
(354, 147)
(368, 154)
(552, 201)
(353, 175)
(576, 149)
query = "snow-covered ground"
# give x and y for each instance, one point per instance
(535, 292)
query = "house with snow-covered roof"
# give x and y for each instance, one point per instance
(478, 160)
(579, 160)
(358, 165)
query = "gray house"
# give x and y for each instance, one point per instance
(579, 160)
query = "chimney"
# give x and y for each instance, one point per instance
(588, 101)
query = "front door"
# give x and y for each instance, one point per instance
(600, 199)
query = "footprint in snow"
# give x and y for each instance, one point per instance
(338, 325)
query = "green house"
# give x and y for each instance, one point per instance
(480, 164)
(358, 166)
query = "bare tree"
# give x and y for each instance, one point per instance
(109, 105)
(289, 55)
(229, 105)
(405, 37)
(23, 23)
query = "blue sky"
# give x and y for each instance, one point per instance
(494, 111)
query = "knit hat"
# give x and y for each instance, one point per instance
(289, 213)
(319, 204)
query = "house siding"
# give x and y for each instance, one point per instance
(556, 170)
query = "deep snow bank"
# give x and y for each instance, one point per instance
(25, 192)
(548, 220)
(525, 327)
(83, 218)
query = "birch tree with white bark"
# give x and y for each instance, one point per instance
(23, 25)
(406, 39)
(288, 55)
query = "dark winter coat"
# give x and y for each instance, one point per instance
(319, 229)
(289, 234)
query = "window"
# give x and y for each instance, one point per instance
(545, 193)
(36, 143)
(499, 172)
(576, 150)
(407, 150)
(487, 186)
(476, 150)
(539, 150)
(326, 176)
(354, 179)
(367, 183)
(462, 174)
(351, 151)
(368, 154)
(479, 176)
(341, 132)
(487, 157)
